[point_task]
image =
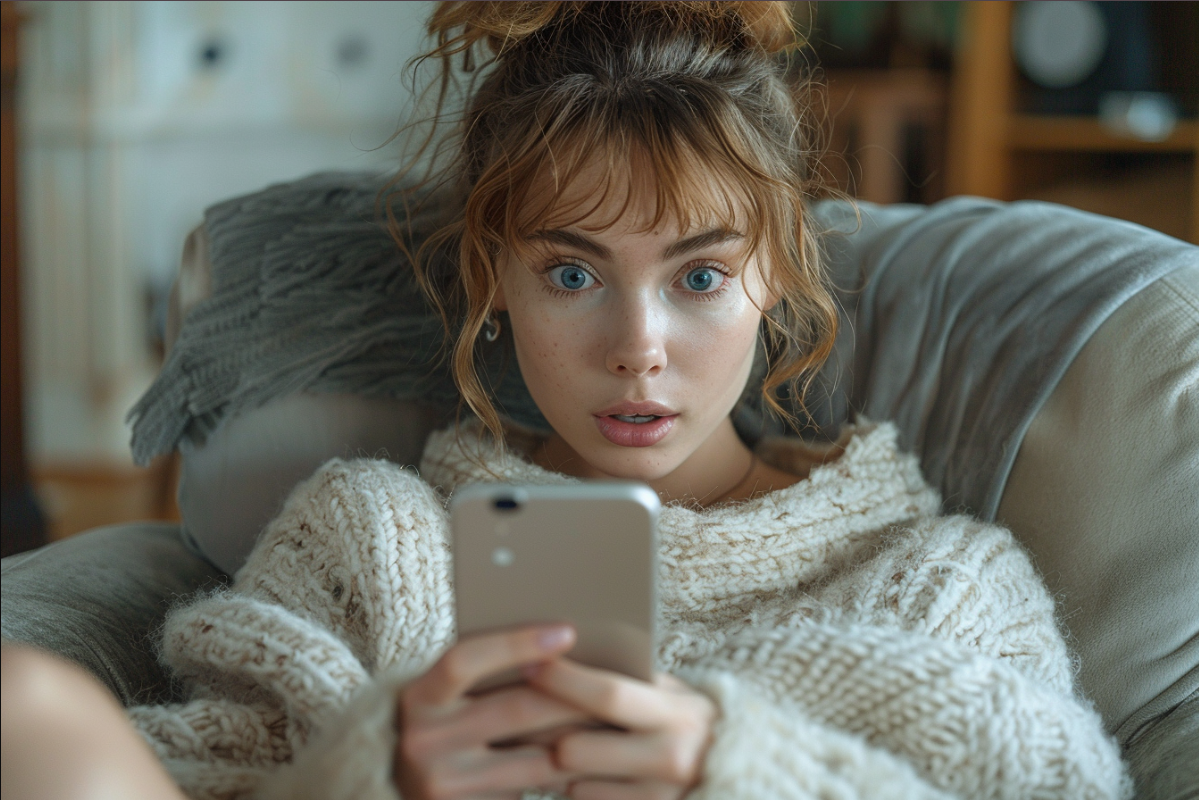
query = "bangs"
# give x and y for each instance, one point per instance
(592, 176)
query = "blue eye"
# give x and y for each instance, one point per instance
(571, 278)
(703, 279)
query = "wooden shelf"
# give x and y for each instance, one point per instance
(1027, 132)
(996, 151)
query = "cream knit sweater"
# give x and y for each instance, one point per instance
(857, 644)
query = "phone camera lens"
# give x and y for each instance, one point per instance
(506, 504)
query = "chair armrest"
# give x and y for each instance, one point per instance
(97, 598)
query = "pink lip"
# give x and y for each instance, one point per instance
(631, 434)
(630, 408)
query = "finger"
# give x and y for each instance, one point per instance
(664, 680)
(492, 772)
(475, 658)
(607, 695)
(518, 712)
(670, 759)
(619, 790)
(495, 717)
(545, 738)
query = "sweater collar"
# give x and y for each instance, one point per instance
(770, 544)
(866, 454)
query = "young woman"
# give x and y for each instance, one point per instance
(632, 226)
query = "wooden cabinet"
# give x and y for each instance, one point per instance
(996, 151)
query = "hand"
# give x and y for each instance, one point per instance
(659, 754)
(447, 735)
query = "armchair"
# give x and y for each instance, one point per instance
(1043, 363)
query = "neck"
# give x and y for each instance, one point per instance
(714, 472)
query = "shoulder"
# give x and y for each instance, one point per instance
(865, 451)
(864, 479)
(794, 538)
(355, 545)
(357, 489)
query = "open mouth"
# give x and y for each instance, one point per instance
(636, 419)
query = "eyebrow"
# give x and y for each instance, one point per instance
(577, 240)
(700, 241)
(589, 245)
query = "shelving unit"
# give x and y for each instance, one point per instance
(875, 113)
(995, 151)
(1027, 132)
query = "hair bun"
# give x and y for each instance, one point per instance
(768, 25)
(457, 26)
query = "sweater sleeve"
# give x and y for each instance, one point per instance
(289, 674)
(942, 649)
(968, 725)
(220, 748)
(766, 748)
(261, 679)
(349, 759)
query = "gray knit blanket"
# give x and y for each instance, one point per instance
(959, 320)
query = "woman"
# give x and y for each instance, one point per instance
(633, 227)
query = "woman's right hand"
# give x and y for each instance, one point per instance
(446, 735)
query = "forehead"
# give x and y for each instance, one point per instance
(634, 195)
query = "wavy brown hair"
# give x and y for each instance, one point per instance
(696, 93)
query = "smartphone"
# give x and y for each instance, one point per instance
(581, 553)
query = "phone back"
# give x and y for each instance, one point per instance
(584, 554)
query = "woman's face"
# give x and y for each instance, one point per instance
(634, 344)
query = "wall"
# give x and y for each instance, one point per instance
(135, 117)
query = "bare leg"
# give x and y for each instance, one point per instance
(64, 736)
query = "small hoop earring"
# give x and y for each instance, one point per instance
(491, 327)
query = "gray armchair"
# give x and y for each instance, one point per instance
(1043, 363)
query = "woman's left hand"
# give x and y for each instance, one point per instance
(659, 754)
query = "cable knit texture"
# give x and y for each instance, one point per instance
(857, 644)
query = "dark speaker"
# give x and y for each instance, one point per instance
(1073, 53)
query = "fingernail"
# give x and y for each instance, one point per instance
(553, 638)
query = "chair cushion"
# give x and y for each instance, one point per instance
(98, 598)
(1162, 759)
(1105, 493)
(230, 488)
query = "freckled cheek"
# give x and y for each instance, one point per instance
(717, 344)
(552, 347)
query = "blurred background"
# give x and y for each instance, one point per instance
(123, 121)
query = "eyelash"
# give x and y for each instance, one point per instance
(702, 297)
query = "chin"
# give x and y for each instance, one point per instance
(644, 464)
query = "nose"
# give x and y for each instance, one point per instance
(637, 343)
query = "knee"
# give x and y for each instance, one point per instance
(66, 736)
(37, 686)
